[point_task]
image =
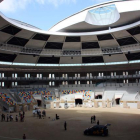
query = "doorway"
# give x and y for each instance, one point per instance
(117, 101)
(98, 97)
(39, 102)
(78, 101)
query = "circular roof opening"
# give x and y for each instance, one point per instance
(103, 15)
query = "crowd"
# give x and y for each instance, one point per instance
(39, 113)
(10, 117)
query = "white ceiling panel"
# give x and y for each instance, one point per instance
(89, 38)
(26, 59)
(72, 46)
(35, 44)
(137, 37)
(4, 37)
(69, 60)
(55, 38)
(25, 34)
(121, 34)
(3, 22)
(115, 58)
(108, 43)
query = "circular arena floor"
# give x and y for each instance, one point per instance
(125, 124)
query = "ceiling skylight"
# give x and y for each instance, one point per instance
(103, 15)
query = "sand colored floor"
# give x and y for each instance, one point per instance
(125, 124)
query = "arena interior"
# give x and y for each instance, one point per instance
(87, 64)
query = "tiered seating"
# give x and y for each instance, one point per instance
(75, 91)
(42, 91)
(86, 93)
(48, 97)
(27, 96)
(6, 98)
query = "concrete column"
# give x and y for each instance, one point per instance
(0, 110)
(31, 107)
(17, 108)
(24, 108)
(108, 104)
(138, 105)
(96, 104)
(52, 105)
(124, 104)
(103, 104)
(57, 104)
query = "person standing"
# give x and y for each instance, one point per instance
(19, 113)
(94, 118)
(91, 119)
(24, 137)
(65, 125)
(16, 118)
(21, 118)
(23, 113)
(7, 117)
(4, 117)
(98, 122)
(1, 117)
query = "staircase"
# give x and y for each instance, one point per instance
(43, 102)
(3, 104)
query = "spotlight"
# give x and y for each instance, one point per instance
(109, 54)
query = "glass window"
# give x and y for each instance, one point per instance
(78, 75)
(63, 83)
(1, 74)
(53, 75)
(66, 82)
(53, 83)
(50, 75)
(2, 84)
(50, 83)
(28, 75)
(127, 81)
(90, 74)
(16, 83)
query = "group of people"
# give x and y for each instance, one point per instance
(93, 119)
(6, 118)
(39, 113)
(21, 115)
(11, 118)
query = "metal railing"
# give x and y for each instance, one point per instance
(55, 52)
